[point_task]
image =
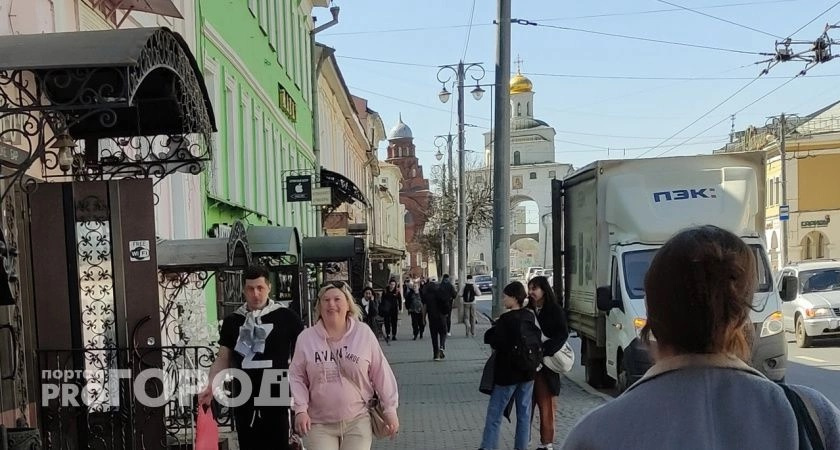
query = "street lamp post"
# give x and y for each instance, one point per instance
(440, 141)
(460, 71)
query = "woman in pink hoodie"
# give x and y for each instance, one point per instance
(337, 368)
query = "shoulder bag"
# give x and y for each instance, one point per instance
(560, 361)
(809, 434)
(375, 410)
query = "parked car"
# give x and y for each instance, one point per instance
(484, 283)
(815, 312)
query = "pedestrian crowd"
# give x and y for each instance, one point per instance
(699, 291)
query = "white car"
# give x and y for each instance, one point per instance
(815, 312)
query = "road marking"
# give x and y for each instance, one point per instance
(808, 358)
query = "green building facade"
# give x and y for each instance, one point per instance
(257, 62)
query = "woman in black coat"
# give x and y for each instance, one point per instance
(552, 320)
(390, 307)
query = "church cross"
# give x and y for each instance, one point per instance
(518, 62)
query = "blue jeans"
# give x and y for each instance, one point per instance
(499, 399)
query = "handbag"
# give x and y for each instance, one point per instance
(485, 386)
(375, 410)
(206, 430)
(562, 360)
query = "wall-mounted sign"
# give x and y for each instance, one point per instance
(299, 188)
(819, 223)
(322, 196)
(12, 155)
(138, 251)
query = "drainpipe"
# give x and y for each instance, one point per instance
(318, 58)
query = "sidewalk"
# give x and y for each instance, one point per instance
(440, 405)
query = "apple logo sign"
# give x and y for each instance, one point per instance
(299, 188)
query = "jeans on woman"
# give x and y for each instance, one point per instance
(500, 397)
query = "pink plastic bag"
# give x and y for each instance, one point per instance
(206, 430)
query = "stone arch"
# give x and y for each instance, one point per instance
(814, 245)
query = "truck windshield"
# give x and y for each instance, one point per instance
(636, 265)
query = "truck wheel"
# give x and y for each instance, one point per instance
(802, 338)
(596, 369)
(623, 381)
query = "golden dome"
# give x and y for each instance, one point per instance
(520, 83)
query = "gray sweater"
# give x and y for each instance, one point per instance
(703, 402)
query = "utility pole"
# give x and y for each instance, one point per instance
(501, 159)
(783, 201)
(462, 196)
(451, 194)
(447, 191)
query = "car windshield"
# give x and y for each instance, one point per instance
(481, 278)
(820, 280)
(636, 265)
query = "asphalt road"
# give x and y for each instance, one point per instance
(817, 367)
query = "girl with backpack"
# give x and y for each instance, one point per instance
(552, 321)
(515, 337)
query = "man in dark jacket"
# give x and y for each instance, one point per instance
(436, 308)
(448, 290)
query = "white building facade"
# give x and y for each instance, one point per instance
(533, 166)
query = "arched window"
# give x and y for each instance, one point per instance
(814, 246)
(481, 256)
(518, 109)
(530, 113)
(516, 158)
(412, 173)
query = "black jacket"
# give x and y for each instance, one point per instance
(390, 302)
(502, 337)
(448, 290)
(552, 320)
(431, 296)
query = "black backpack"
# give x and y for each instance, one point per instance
(527, 353)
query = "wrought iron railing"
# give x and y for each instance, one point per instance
(87, 404)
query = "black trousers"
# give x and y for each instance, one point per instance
(437, 327)
(417, 323)
(255, 427)
(391, 318)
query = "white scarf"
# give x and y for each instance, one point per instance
(252, 333)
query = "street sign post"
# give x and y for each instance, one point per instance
(299, 188)
(784, 212)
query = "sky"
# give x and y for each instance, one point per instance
(606, 96)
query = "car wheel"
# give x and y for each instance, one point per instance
(802, 338)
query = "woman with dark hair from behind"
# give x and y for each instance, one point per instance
(699, 292)
(511, 379)
(552, 320)
(389, 308)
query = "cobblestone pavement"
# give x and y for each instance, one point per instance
(440, 405)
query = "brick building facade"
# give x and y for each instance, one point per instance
(414, 194)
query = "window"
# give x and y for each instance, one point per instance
(265, 167)
(552, 174)
(272, 24)
(232, 132)
(529, 112)
(259, 163)
(518, 109)
(248, 149)
(516, 158)
(532, 175)
(263, 15)
(211, 79)
(296, 45)
(814, 246)
(277, 178)
(280, 30)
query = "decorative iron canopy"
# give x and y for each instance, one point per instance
(344, 190)
(103, 104)
(280, 245)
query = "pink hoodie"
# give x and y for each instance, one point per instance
(323, 391)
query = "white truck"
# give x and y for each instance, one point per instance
(613, 215)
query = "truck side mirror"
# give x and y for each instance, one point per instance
(790, 287)
(603, 298)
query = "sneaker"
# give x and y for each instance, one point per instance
(442, 356)
(394, 337)
(546, 447)
(449, 334)
(436, 358)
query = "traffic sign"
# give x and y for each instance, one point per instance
(784, 212)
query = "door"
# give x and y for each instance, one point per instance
(615, 320)
(788, 308)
